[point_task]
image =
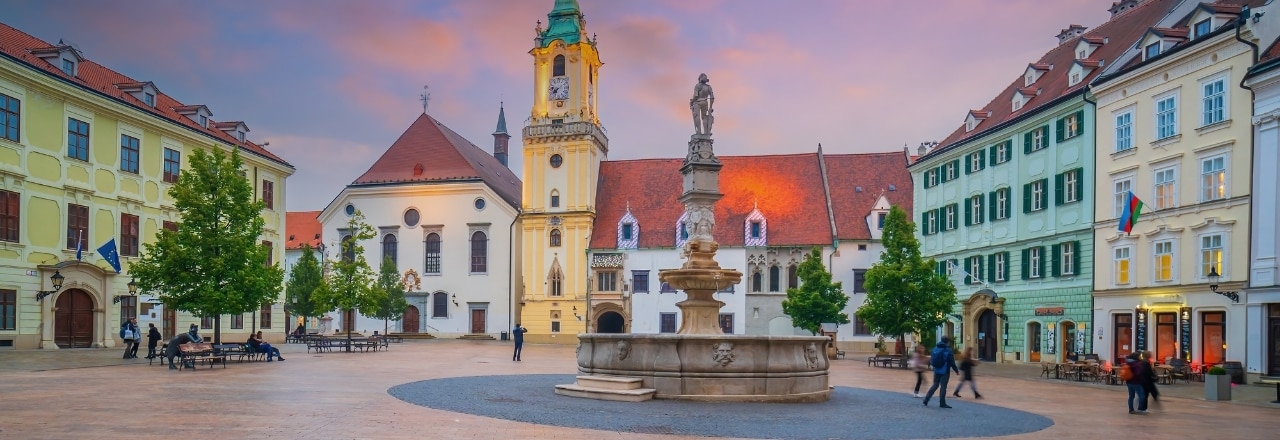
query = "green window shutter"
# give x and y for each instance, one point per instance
(1079, 183)
(924, 223)
(942, 268)
(991, 268)
(968, 270)
(1075, 257)
(992, 153)
(968, 165)
(1080, 121)
(1026, 198)
(968, 208)
(1026, 143)
(1062, 129)
(991, 204)
(1008, 147)
(1044, 261)
(955, 164)
(1026, 263)
(1058, 193)
(942, 175)
(1008, 201)
(982, 161)
(927, 181)
(1055, 265)
(981, 214)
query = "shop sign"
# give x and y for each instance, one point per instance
(1140, 329)
(1050, 311)
(1184, 326)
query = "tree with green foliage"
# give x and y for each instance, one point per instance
(214, 263)
(349, 286)
(391, 302)
(299, 293)
(817, 300)
(905, 293)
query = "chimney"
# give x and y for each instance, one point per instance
(1070, 32)
(1119, 7)
(500, 137)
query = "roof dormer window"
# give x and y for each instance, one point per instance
(64, 57)
(149, 99)
(974, 118)
(1033, 73)
(142, 91)
(757, 229)
(69, 67)
(240, 136)
(1151, 51)
(1017, 103)
(204, 121)
(235, 129)
(1029, 78)
(1203, 27)
(197, 113)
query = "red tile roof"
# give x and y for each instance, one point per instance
(1271, 53)
(1091, 63)
(1027, 91)
(788, 190)
(302, 227)
(428, 151)
(1121, 32)
(19, 46)
(1170, 32)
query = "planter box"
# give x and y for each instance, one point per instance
(1217, 387)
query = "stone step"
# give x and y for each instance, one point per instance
(636, 395)
(414, 335)
(610, 382)
(477, 337)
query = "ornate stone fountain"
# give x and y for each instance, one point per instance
(700, 362)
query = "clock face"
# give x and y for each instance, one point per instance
(559, 88)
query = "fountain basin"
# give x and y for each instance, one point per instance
(726, 368)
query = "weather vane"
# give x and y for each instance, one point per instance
(425, 97)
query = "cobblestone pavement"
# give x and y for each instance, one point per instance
(74, 394)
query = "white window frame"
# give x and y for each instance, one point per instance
(1118, 255)
(1067, 257)
(932, 176)
(1124, 131)
(1210, 115)
(1071, 126)
(949, 218)
(1039, 139)
(1037, 195)
(1166, 128)
(1169, 198)
(933, 221)
(1002, 152)
(975, 209)
(1146, 50)
(1170, 248)
(1207, 250)
(1002, 200)
(1069, 180)
(975, 161)
(1033, 267)
(975, 268)
(1195, 28)
(952, 172)
(1122, 186)
(1207, 189)
(1000, 267)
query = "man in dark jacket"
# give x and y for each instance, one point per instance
(192, 335)
(517, 334)
(943, 362)
(153, 338)
(1139, 369)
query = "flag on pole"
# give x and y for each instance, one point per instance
(1129, 217)
(108, 251)
(80, 247)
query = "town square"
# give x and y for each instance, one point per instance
(888, 220)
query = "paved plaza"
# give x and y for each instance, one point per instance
(445, 389)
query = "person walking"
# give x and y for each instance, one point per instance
(1134, 380)
(919, 363)
(1149, 379)
(129, 333)
(943, 362)
(153, 338)
(517, 334)
(967, 362)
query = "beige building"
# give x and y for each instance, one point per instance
(1174, 131)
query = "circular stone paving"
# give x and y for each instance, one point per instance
(851, 412)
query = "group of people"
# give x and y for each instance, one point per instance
(943, 362)
(129, 332)
(132, 339)
(1141, 381)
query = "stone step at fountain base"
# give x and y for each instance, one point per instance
(616, 388)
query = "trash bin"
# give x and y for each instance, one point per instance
(1235, 370)
(504, 336)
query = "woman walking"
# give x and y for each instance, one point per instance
(129, 333)
(967, 362)
(919, 363)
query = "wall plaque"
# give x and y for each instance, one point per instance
(1050, 311)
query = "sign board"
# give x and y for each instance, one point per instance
(1050, 311)
(1140, 329)
(1184, 327)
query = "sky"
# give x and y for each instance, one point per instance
(331, 84)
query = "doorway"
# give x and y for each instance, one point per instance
(1033, 341)
(610, 322)
(1068, 334)
(1273, 358)
(169, 323)
(409, 323)
(987, 336)
(1166, 336)
(73, 320)
(477, 321)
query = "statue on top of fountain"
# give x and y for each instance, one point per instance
(702, 105)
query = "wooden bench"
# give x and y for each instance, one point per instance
(191, 353)
(888, 361)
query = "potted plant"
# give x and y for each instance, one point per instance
(1217, 384)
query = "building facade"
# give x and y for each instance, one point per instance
(1262, 312)
(564, 145)
(445, 215)
(1167, 136)
(88, 155)
(1004, 207)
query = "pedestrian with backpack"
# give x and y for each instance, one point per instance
(943, 362)
(1133, 373)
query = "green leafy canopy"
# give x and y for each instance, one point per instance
(305, 277)
(817, 300)
(350, 284)
(905, 294)
(390, 302)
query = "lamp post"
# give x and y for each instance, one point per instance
(133, 291)
(56, 279)
(1214, 277)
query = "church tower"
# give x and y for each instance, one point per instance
(563, 147)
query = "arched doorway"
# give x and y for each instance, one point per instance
(987, 336)
(1067, 331)
(409, 323)
(73, 320)
(610, 322)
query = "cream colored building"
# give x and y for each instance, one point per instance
(88, 155)
(1174, 129)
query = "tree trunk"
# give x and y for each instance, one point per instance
(348, 325)
(217, 329)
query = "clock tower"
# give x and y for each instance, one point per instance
(563, 147)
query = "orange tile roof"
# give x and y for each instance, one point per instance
(1121, 31)
(302, 227)
(1271, 53)
(428, 151)
(19, 46)
(788, 190)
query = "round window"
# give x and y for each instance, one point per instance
(556, 161)
(351, 209)
(479, 204)
(411, 217)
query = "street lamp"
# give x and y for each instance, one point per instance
(56, 279)
(1214, 277)
(133, 291)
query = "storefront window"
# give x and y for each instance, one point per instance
(1166, 336)
(1213, 337)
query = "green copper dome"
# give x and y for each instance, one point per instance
(563, 23)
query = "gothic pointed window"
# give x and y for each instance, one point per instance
(793, 281)
(757, 281)
(555, 281)
(557, 66)
(775, 275)
(555, 238)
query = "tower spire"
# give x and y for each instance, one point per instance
(502, 120)
(500, 136)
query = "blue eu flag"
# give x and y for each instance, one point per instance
(108, 251)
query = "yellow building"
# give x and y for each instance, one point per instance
(1174, 131)
(563, 148)
(88, 155)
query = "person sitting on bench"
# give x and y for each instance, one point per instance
(255, 341)
(171, 350)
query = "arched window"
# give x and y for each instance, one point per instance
(348, 249)
(479, 252)
(757, 281)
(557, 66)
(556, 282)
(793, 281)
(433, 254)
(389, 247)
(684, 231)
(440, 303)
(555, 238)
(555, 198)
(775, 278)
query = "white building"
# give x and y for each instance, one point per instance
(775, 209)
(445, 214)
(1262, 336)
